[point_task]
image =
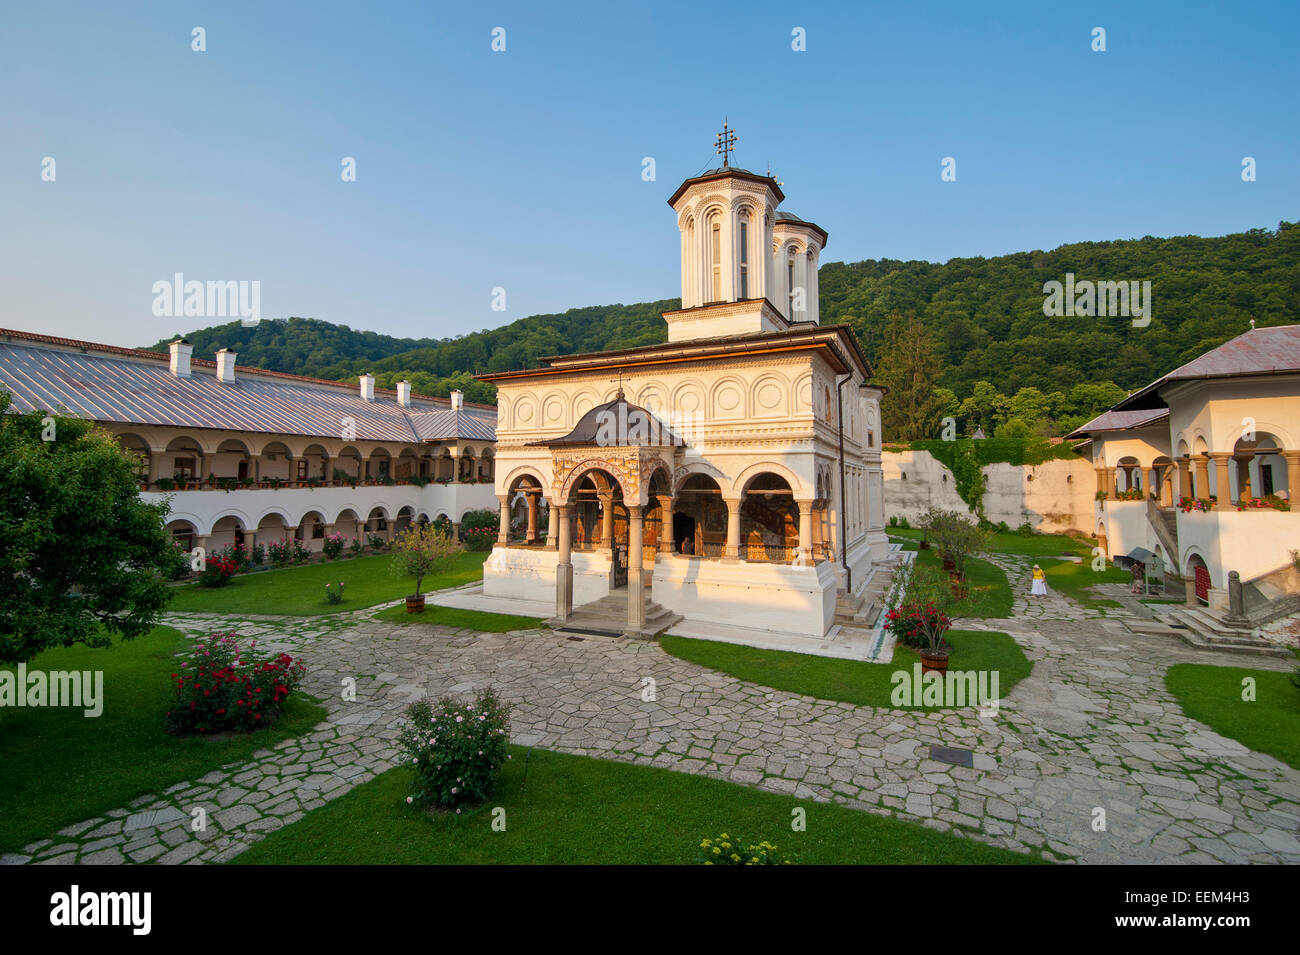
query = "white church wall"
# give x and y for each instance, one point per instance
(761, 596)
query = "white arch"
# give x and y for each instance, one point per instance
(797, 485)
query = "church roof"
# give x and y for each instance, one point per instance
(616, 423)
(1260, 351)
(782, 216)
(134, 386)
(828, 337)
(727, 172)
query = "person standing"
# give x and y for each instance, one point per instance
(1039, 589)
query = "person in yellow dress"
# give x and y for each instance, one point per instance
(1040, 583)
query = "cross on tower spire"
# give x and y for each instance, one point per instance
(619, 396)
(725, 143)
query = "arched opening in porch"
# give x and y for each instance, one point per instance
(313, 465)
(699, 521)
(769, 519)
(186, 458)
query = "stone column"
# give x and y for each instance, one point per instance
(1236, 601)
(1202, 488)
(1190, 584)
(503, 528)
(552, 526)
(531, 537)
(1111, 494)
(1185, 488)
(607, 521)
(1243, 478)
(635, 580)
(564, 567)
(732, 551)
(455, 530)
(203, 542)
(155, 465)
(1292, 475)
(1101, 479)
(1223, 489)
(665, 525)
(805, 556)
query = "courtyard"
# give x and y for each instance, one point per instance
(1092, 733)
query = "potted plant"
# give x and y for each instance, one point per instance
(424, 549)
(921, 620)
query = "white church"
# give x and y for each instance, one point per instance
(731, 475)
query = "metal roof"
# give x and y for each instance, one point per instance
(1261, 351)
(124, 386)
(633, 427)
(1121, 421)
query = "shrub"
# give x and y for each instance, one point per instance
(279, 552)
(424, 549)
(455, 750)
(334, 596)
(491, 520)
(377, 542)
(355, 547)
(728, 851)
(258, 554)
(1025, 530)
(479, 540)
(217, 570)
(333, 547)
(919, 616)
(180, 564)
(300, 552)
(220, 687)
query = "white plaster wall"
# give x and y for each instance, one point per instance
(1054, 497)
(1250, 542)
(914, 480)
(529, 574)
(777, 597)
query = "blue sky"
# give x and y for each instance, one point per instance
(522, 169)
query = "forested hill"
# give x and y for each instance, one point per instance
(983, 317)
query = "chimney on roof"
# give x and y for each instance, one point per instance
(226, 366)
(181, 351)
(404, 394)
(367, 387)
(457, 400)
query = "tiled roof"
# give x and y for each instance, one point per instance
(1121, 421)
(1260, 351)
(130, 386)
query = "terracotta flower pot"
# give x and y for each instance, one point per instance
(415, 604)
(949, 564)
(934, 662)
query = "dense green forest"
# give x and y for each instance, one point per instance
(966, 338)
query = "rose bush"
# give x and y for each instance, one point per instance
(220, 687)
(455, 750)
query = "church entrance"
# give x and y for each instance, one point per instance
(683, 534)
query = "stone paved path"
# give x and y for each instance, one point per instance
(1092, 728)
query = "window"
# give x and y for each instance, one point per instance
(184, 469)
(302, 469)
(715, 240)
(789, 274)
(744, 257)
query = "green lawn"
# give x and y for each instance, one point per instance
(851, 681)
(456, 617)
(301, 590)
(1031, 545)
(577, 810)
(1073, 580)
(989, 592)
(61, 767)
(1268, 724)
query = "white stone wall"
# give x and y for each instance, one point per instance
(1054, 497)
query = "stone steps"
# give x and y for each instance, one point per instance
(1201, 628)
(864, 608)
(608, 617)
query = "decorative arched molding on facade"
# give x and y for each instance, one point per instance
(1280, 434)
(228, 514)
(769, 397)
(688, 397)
(466, 510)
(801, 394)
(555, 407)
(383, 510)
(342, 514)
(274, 512)
(619, 472)
(184, 517)
(526, 413)
(727, 398)
(797, 485)
(583, 401)
(683, 473)
(503, 412)
(523, 470)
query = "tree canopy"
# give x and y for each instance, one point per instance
(83, 555)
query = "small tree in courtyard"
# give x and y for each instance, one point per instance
(423, 550)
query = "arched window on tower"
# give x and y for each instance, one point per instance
(744, 255)
(789, 274)
(715, 257)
